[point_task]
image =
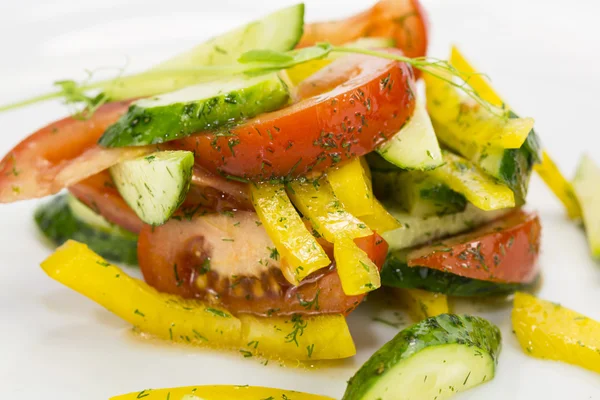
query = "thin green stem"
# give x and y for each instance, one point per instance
(441, 69)
(33, 100)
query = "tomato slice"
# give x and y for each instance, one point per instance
(371, 100)
(100, 194)
(403, 20)
(505, 251)
(60, 155)
(230, 260)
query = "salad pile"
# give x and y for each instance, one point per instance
(269, 179)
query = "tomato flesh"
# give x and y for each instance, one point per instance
(173, 259)
(373, 102)
(504, 251)
(402, 20)
(61, 154)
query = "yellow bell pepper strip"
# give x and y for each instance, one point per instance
(464, 177)
(548, 330)
(300, 251)
(162, 315)
(380, 220)
(317, 202)
(300, 72)
(189, 321)
(467, 124)
(304, 338)
(352, 186)
(476, 80)
(358, 274)
(559, 185)
(422, 304)
(219, 392)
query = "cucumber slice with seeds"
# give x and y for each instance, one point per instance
(416, 145)
(433, 359)
(154, 186)
(64, 217)
(206, 106)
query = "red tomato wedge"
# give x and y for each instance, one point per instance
(99, 193)
(60, 155)
(402, 20)
(227, 259)
(505, 251)
(371, 101)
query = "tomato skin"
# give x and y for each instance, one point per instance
(308, 137)
(504, 251)
(403, 20)
(99, 193)
(169, 256)
(60, 155)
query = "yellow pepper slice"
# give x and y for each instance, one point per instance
(466, 125)
(300, 72)
(464, 177)
(352, 186)
(173, 318)
(559, 185)
(476, 80)
(422, 304)
(329, 218)
(219, 392)
(317, 202)
(380, 220)
(162, 315)
(318, 337)
(297, 246)
(358, 274)
(548, 330)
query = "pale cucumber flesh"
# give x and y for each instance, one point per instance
(435, 373)
(154, 186)
(587, 190)
(415, 146)
(418, 230)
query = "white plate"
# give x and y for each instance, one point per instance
(542, 56)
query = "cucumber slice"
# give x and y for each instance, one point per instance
(418, 230)
(419, 193)
(396, 273)
(587, 189)
(433, 359)
(206, 106)
(278, 31)
(64, 218)
(154, 186)
(416, 145)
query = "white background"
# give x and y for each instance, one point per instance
(542, 56)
